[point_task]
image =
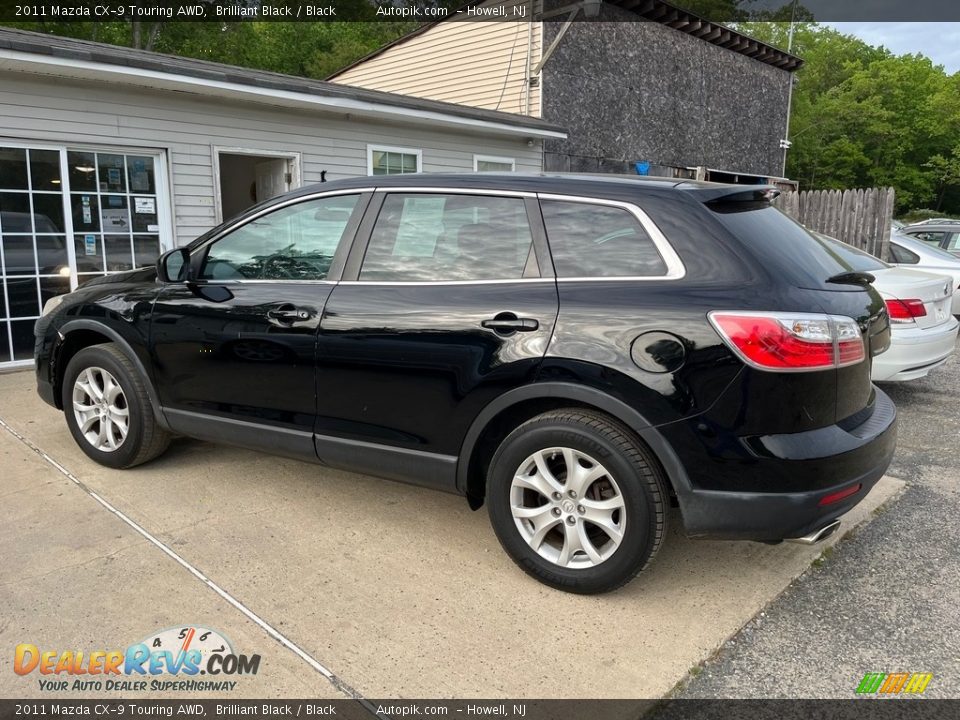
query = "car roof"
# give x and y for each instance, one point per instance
(946, 225)
(564, 183)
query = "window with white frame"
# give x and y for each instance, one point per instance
(392, 160)
(491, 163)
(67, 215)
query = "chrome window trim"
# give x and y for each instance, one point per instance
(403, 190)
(675, 267)
(421, 283)
(265, 280)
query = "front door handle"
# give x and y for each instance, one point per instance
(288, 314)
(508, 323)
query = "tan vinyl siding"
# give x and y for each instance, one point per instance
(188, 127)
(480, 64)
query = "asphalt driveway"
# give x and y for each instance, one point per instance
(888, 600)
(347, 585)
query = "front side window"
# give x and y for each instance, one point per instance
(443, 238)
(954, 243)
(589, 240)
(296, 242)
(392, 161)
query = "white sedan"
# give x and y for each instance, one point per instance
(923, 330)
(915, 254)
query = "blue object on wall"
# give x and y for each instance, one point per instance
(643, 168)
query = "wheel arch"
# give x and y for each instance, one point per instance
(505, 413)
(83, 333)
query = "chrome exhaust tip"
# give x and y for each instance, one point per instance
(817, 535)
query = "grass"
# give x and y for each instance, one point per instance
(823, 557)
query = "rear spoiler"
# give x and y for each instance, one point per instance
(731, 193)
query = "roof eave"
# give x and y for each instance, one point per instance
(657, 11)
(26, 62)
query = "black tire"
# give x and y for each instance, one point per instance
(635, 474)
(145, 439)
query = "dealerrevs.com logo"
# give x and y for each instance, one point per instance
(184, 653)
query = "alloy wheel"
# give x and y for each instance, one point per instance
(100, 408)
(568, 507)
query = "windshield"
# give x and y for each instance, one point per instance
(925, 248)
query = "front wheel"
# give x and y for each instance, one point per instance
(577, 501)
(107, 408)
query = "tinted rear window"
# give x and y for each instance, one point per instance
(856, 259)
(782, 245)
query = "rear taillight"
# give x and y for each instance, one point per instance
(905, 311)
(790, 342)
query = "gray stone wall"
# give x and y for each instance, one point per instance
(632, 91)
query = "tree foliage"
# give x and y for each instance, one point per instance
(861, 116)
(864, 117)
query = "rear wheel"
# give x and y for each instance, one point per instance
(577, 501)
(108, 410)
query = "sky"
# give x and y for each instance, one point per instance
(938, 41)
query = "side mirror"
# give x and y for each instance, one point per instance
(174, 266)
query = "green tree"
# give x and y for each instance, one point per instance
(862, 116)
(946, 174)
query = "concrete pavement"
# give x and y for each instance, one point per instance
(399, 591)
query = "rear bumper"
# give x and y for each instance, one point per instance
(913, 352)
(854, 456)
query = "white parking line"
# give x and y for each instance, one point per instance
(139, 529)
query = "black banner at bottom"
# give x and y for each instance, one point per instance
(855, 709)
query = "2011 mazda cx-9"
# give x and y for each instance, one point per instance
(578, 353)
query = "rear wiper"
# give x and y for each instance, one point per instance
(854, 277)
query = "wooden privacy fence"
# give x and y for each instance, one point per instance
(858, 217)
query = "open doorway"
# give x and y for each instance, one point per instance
(248, 177)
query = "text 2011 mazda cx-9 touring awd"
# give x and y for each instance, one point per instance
(575, 352)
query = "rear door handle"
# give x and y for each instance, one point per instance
(506, 323)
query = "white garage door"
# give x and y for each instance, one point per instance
(67, 215)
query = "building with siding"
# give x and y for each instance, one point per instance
(640, 86)
(109, 156)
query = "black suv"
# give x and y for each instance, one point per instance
(577, 352)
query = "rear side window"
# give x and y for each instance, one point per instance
(443, 238)
(903, 256)
(589, 240)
